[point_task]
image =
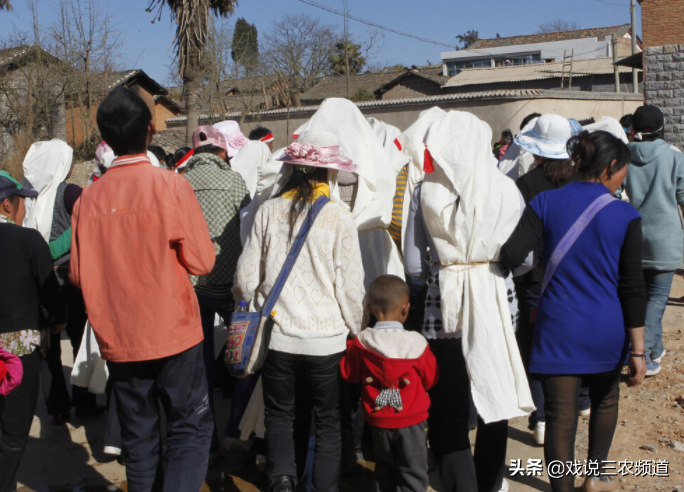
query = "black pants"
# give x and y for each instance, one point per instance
(450, 412)
(320, 374)
(180, 383)
(16, 415)
(401, 459)
(57, 398)
(562, 394)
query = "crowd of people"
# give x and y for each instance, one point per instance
(414, 280)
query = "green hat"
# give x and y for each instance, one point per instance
(10, 186)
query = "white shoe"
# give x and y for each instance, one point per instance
(585, 413)
(112, 451)
(539, 432)
(504, 485)
(660, 359)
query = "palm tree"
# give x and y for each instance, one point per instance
(192, 18)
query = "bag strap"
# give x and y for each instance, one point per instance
(293, 254)
(573, 234)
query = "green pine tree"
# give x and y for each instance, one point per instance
(245, 52)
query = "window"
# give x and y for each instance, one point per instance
(505, 61)
(453, 67)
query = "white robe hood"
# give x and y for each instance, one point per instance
(46, 166)
(610, 125)
(471, 209)
(249, 161)
(388, 135)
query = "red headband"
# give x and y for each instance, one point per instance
(185, 158)
(267, 138)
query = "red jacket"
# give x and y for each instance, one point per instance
(412, 376)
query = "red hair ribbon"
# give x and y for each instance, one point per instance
(398, 144)
(428, 165)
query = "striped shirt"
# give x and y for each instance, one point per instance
(398, 207)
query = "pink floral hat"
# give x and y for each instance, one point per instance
(317, 149)
(234, 137)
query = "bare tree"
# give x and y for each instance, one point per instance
(558, 25)
(84, 37)
(298, 48)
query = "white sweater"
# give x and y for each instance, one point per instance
(323, 298)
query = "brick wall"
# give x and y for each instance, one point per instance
(664, 87)
(662, 22)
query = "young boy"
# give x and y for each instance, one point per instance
(396, 368)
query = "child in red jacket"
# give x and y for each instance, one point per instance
(396, 368)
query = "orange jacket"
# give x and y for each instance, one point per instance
(136, 234)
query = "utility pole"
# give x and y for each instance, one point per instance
(346, 42)
(615, 67)
(635, 73)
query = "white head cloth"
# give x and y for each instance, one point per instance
(376, 184)
(516, 162)
(269, 173)
(471, 209)
(388, 134)
(248, 162)
(610, 125)
(46, 166)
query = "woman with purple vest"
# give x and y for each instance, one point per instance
(591, 312)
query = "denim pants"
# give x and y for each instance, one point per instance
(179, 381)
(283, 375)
(658, 285)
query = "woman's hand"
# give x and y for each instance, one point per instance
(637, 371)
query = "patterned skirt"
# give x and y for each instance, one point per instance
(432, 323)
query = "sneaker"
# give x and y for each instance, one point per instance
(653, 368)
(660, 359)
(585, 413)
(504, 483)
(539, 432)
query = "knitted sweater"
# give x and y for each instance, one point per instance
(322, 300)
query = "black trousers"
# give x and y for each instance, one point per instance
(401, 458)
(321, 378)
(562, 394)
(180, 383)
(57, 398)
(460, 470)
(16, 416)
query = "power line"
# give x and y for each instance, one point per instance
(378, 26)
(612, 3)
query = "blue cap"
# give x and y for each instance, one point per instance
(10, 186)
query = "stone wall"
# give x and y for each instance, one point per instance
(664, 87)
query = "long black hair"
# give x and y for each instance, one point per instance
(594, 153)
(303, 184)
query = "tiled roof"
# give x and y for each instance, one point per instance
(536, 71)
(336, 85)
(433, 75)
(115, 79)
(549, 37)
(9, 54)
(497, 94)
(170, 140)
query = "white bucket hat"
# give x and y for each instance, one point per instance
(548, 138)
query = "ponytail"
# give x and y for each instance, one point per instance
(593, 154)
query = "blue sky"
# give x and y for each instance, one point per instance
(148, 46)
